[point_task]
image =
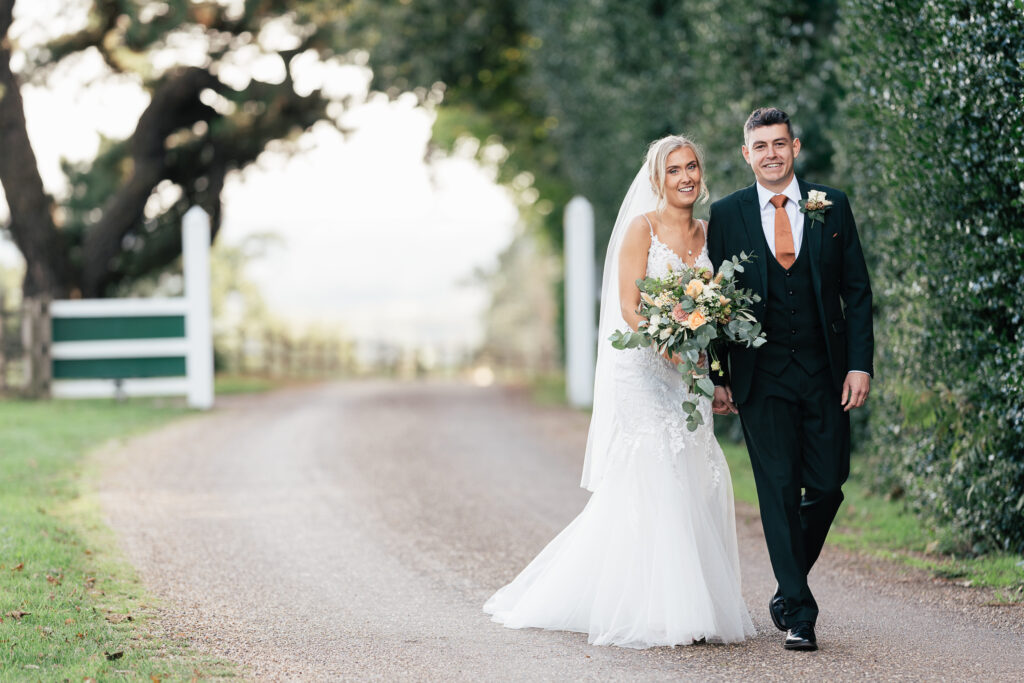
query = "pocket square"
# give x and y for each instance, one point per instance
(835, 234)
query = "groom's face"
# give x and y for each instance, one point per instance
(770, 151)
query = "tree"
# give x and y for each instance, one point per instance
(576, 89)
(195, 129)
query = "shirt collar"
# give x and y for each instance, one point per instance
(792, 192)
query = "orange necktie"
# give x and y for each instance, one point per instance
(785, 253)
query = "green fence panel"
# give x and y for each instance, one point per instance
(119, 368)
(119, 327)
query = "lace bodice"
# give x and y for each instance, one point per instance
(660, 256)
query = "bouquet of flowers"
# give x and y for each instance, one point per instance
(685, 312)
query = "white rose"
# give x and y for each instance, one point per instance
(655, 320)
(665, 333)
(816, 196)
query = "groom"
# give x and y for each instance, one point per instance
(794, 393)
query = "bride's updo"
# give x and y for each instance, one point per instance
(657, 157)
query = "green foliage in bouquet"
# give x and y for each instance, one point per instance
(685, 312)
(934, 142)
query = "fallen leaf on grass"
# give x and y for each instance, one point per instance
(69, 621)
(17, 614)
(55, 580)
(111, 656)
(18, 567)
(155, 679)
(118, 618)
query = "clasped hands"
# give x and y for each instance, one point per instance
(855, 391)
(722, 403)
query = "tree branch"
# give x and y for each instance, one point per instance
(102, 20)
(175, 105)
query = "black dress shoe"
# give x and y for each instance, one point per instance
(801, 637)
(777, 608)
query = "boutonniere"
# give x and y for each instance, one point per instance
(815, 206)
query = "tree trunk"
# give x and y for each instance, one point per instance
(35, 234)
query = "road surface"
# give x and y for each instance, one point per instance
(354, 530)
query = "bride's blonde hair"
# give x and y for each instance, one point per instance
(657, 157)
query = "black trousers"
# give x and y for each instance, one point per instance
(799, 442)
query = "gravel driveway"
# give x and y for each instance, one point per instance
(353, 531)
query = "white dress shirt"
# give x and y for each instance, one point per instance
(792, 208)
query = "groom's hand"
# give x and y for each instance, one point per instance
(722, 403)
(855, 390)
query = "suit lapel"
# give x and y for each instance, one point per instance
(751, 213)
(812, 236)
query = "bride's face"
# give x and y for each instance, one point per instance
(682, 178)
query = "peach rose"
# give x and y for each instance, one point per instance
(679, 314)
(724, 300)
(694, 288)
(696, 319)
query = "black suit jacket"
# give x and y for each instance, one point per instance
(838, 273)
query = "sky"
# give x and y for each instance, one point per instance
(372, 237)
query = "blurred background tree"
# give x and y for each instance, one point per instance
(206, 116)
(576, 90)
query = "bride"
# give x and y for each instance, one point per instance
(652, 558)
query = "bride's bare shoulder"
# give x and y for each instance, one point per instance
(639, 230)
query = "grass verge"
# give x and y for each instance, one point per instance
(243, 384)
(871, 524)
(71, 607)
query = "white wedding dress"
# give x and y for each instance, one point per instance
(652, 559)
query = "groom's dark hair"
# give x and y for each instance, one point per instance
(766, 116)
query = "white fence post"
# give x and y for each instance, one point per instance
(580, 301)
(195, 240)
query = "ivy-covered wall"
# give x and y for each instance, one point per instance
(932, 140)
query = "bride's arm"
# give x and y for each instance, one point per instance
(633, 267)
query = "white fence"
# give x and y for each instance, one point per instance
(140, 347)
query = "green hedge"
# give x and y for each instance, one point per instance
(933, 139)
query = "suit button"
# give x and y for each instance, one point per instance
(792, 331)
(792, 311)
(792, 350)
(788, 274)
(791, 292)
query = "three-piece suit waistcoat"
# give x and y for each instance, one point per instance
(791, 322)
